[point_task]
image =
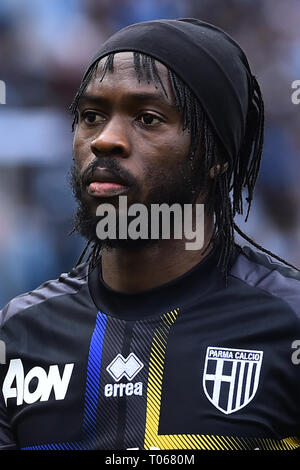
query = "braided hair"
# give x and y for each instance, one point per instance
(241, 172)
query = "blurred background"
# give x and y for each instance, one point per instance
(45, 46)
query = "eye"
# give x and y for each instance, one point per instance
(90, 117)
(149, 119)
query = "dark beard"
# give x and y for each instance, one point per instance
(183, 186)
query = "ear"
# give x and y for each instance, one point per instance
(218, 170)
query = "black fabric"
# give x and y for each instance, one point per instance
(167, 390)
(143, 304)
(207, 59)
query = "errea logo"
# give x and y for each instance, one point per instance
(128, 367)
(124, 367)
(17, 385)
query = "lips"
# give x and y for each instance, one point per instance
(102, 182)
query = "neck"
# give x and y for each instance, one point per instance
(153, 265)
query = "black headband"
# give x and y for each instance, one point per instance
(207, 59)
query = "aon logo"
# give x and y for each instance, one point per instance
(17, 385)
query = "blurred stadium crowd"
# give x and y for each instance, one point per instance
(44, 49)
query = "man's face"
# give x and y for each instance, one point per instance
(129, 141)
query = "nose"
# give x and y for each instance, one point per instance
(112, 139)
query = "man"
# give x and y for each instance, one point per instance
(148, 344)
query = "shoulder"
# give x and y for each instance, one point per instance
(261, 271)
(67, 284)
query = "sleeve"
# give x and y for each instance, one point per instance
(7, 441)
(6, 438)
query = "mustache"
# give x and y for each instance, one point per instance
(113, 167)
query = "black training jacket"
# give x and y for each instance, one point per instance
(192, 364)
